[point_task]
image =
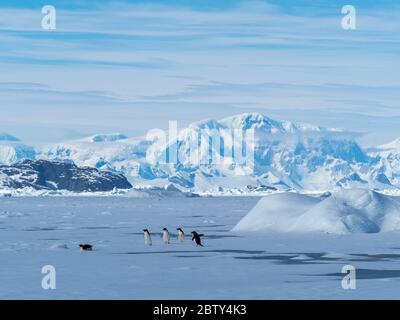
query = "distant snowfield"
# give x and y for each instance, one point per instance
(38, 231)
(344, 211)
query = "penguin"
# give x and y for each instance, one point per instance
(196, 238)
(86, 247)
(147, 238)
(181, 235)
(166, 238)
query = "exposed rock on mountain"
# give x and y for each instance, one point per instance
(59, 175)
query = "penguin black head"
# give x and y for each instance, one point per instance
(179, 229)
(165, 229)
(145, 230)
(195, 234)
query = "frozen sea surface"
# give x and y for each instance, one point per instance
(46, 231)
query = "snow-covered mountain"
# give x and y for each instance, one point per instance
(285, 155)
(57, 175)
(126, 156)
(12, 150)
(388, 161)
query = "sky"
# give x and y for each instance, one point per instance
(129, 66)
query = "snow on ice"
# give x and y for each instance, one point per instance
(344, 211)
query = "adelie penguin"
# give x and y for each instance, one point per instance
(196, 238)
(165, 237)
(147, 237)
(86, 247)
(181, 235)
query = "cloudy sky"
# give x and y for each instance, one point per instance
(128, 66)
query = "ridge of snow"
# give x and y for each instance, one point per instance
(343, 212)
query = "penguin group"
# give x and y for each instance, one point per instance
(166, 238)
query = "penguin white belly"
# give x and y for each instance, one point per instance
(166, 237)
(147, 239)
(181, 236)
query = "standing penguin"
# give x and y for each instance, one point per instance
(196, 238)
(181, 235)
(166, 238)
(147, 238)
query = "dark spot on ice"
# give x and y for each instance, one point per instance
(293, 258)
(204, 216)
(219, 236)
(197, 251)
(206, 225)
(374, 257)
(368, 274)
(40, 229)
(98, 228)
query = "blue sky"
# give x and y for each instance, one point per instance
(128, 66)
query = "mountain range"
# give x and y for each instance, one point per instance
(287, 155)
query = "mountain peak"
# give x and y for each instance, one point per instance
(252, 120)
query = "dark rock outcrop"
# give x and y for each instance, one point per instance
(59, 175)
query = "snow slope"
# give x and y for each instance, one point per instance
(388, 163)
(12, 152)
(344, 211)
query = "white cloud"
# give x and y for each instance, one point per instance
(141, 54)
